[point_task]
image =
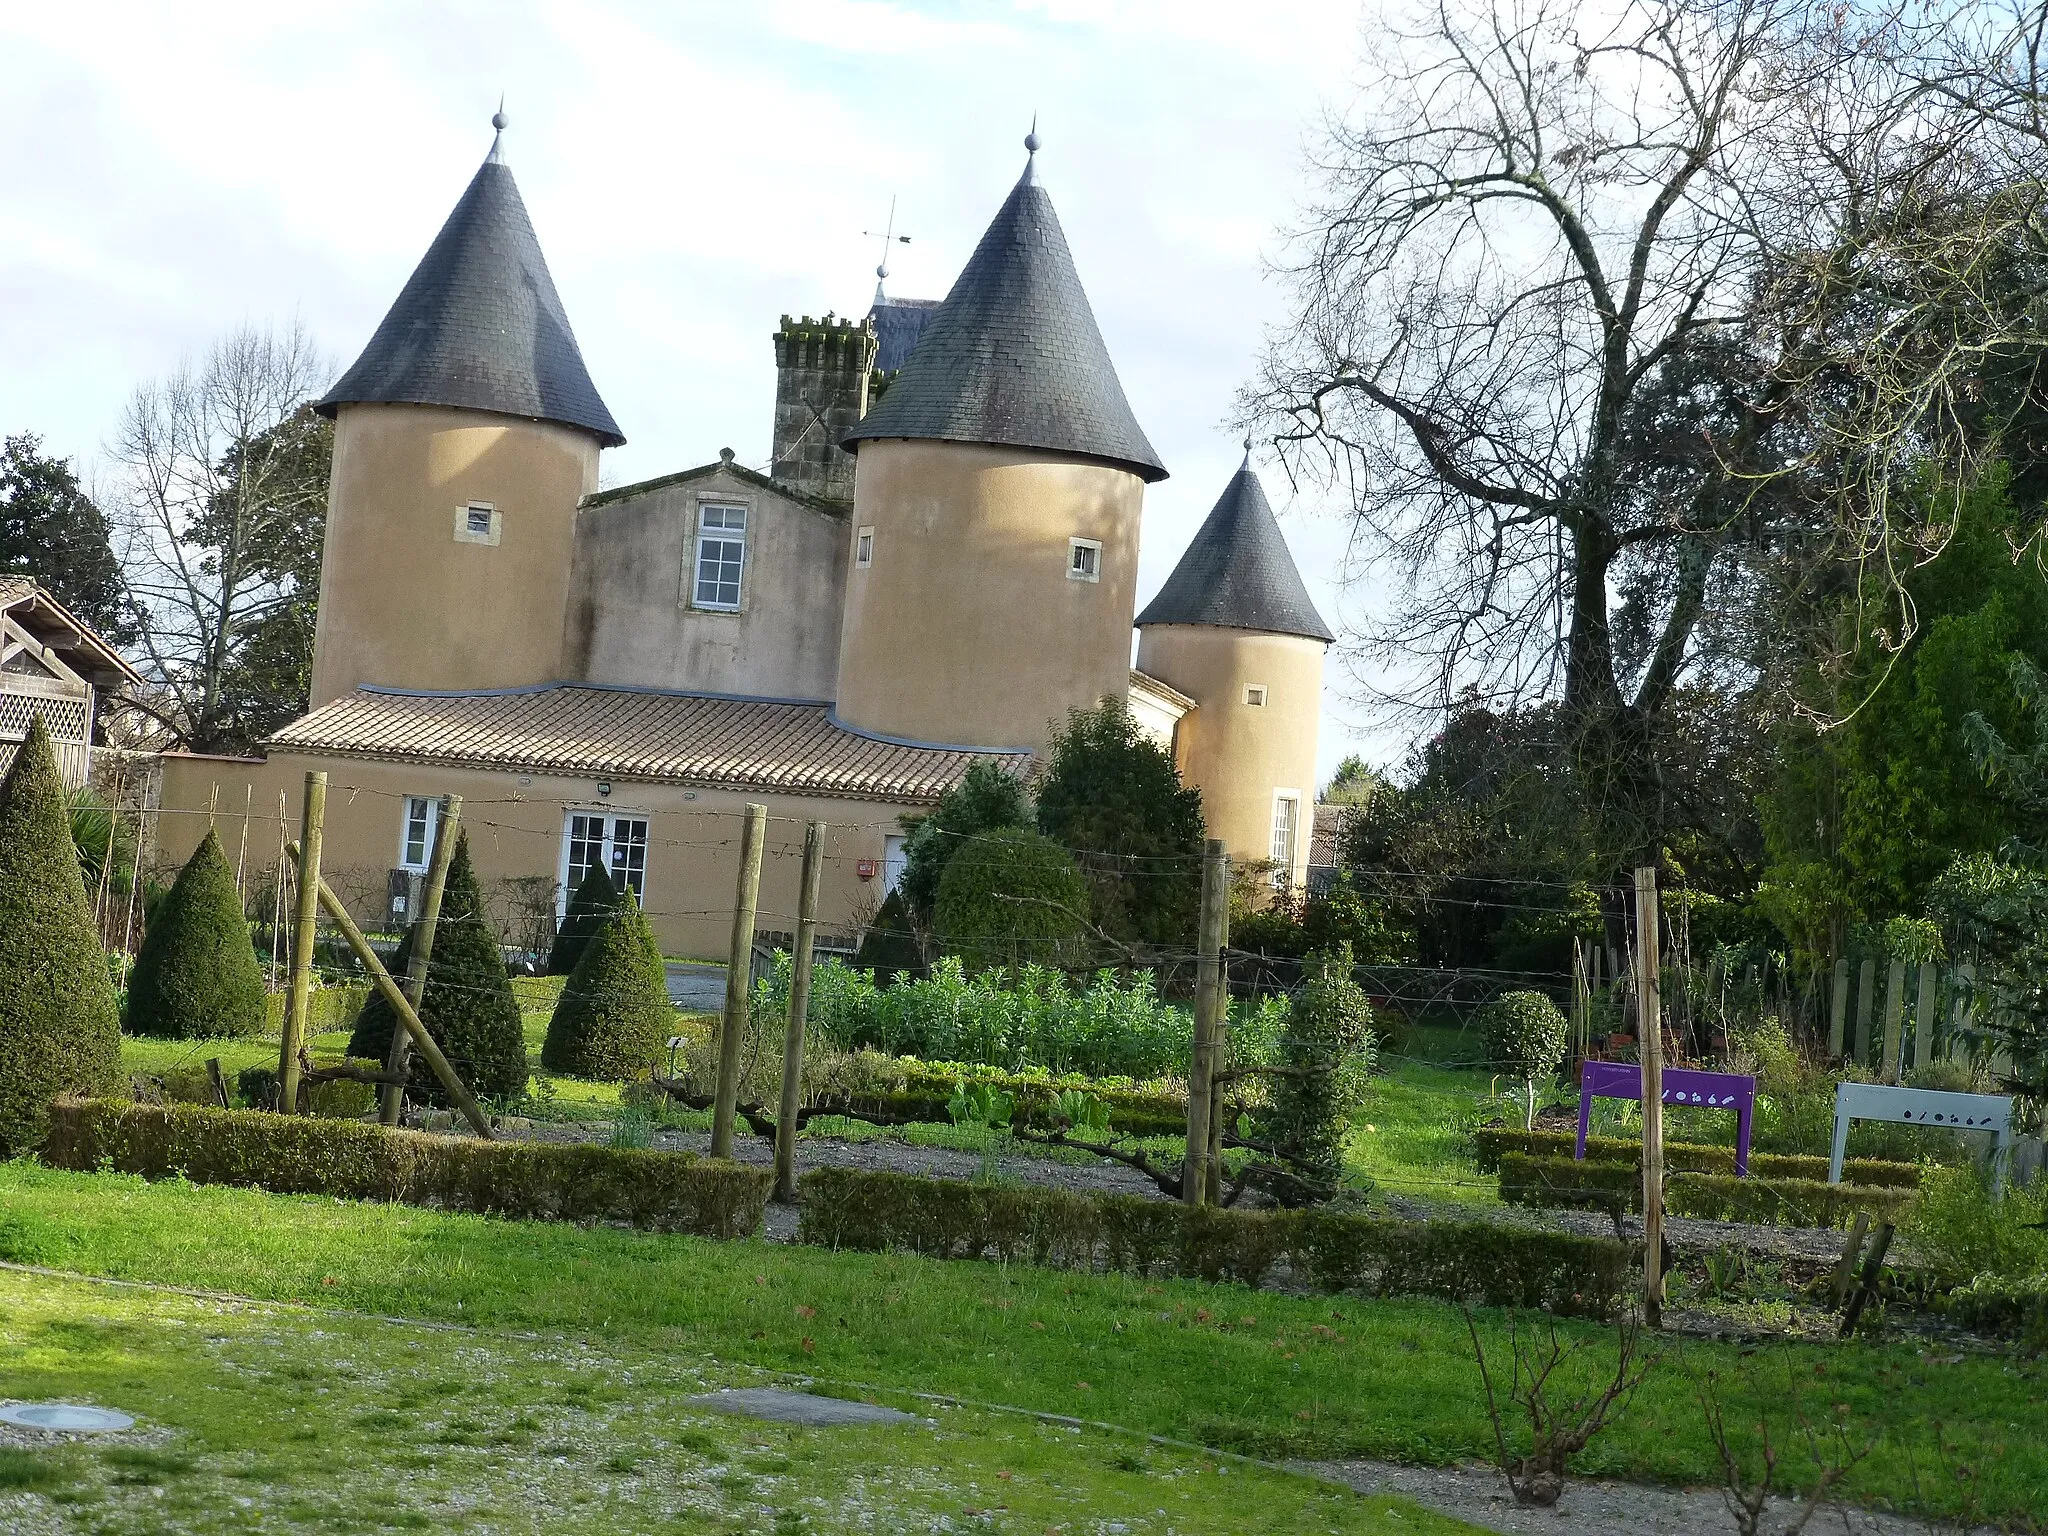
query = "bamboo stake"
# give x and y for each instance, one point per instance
(451, 1082)
(391, 1098)
(1652, 1043)
(1194, 1177)
(242, 850)
(799, 1009)
(305, 920)
(284, 836)
(747, 899)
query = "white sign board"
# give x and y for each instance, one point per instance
(1921, 1106)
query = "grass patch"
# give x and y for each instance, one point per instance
(1216, 1364)
(33, 1471)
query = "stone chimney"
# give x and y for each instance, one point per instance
(821, 393)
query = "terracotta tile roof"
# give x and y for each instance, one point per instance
(705, 740)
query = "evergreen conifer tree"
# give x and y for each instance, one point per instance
(614, 1015)
(60, 1023)
(589, 905)
(197, 976)
(468, 1006)
(890, 944)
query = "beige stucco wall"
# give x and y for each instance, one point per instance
(402, 601)
(515, 827)
(1242, 756)
(966, 628)
(631, 618)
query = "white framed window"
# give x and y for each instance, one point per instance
(477, 522)
(1084, 559)
(1286, 831)
(864, 548)
(611, 840)
(894, 861)
(416, 838)
(1255, 695)
(721, 557)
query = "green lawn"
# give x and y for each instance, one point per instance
(259, 1418)
(1220, 1365)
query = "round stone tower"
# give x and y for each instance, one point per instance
(998, 486)
(1235, 630)
(464, 436)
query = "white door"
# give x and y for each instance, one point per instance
(613, 840)
(893, 860)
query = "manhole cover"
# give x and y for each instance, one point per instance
(798, 1407)
(72, 1418)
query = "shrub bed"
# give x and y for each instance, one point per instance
(292, 1154)
(1560, 1181)
(1370, 1255)
(1489, 1143)
(922, 1089)
(1996, 1304)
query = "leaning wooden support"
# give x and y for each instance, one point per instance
(305, 920)
(392, 1098)
(390, 991)
(1210, 1001)
(1866, 1288)
(733, 1027)
(799, 1009)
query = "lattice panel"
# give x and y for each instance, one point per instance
(64, 718)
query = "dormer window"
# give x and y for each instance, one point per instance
(1084, 560)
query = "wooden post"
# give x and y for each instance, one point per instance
(1209, 1000)
(1866, 1003)
(1852, 1250)
(450, 1080)
(391, 1097)
(1866, 1288)
(739, 959)
(305, 919)
(1963, 985)
(799, 1008)
(1838, 1010)
(1894, 1019)
(1651, 1045)
(1923, 1017)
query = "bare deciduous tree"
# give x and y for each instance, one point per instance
(223, 489)
(1605, 319)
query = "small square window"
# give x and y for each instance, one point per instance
(477, 523)
(1084, 560)
(479, 519)
(864, 547)
(1255, 695)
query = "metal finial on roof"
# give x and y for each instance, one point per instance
(499, 123)
(1247, 451)
(887, 236)
(1030, 177)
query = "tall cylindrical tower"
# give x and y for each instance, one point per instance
(997, 495)
(464, 436)
(1235, 630)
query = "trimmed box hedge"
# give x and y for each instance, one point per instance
(1369, 1255)
(2013, 1307)
(920, 1090)
(1491, 1142)
(295, 1154)
(1610, 1186)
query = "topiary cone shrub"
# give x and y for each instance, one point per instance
(1012, 897)
(1327, 1048)
(589, 905)
(197, 976)
(60, 1023)
(468, 1006)
(614, 1015)
(890, 944)
(1525, 1036)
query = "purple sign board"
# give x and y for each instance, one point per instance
(1682, 1085)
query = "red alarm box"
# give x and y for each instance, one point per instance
(866, 868)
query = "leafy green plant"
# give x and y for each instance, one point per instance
(633, 1130)
(1011, 897)
(197, 976)
(1083, 1113)
(981, 1104)
(1527, 1035)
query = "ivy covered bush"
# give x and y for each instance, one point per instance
(1012, 897)
(197, 976)
(468, 1006)
(1326, 1053)
(594, 900)
(60, 1024)
(613, 1016)
(1526, 1036)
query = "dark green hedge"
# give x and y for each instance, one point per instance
(1375, 1256)
(1490, 1142)
(922, 1090)
(294, 1154)
(1559, 1181)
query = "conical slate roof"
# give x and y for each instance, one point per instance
(1237, 573)
(1014, 356)
(479, 324)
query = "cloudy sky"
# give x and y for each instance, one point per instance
(694, 171)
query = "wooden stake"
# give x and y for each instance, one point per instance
(1866, 1001)
(1866, 1288)
(451, 1082)
(1852, 1250)
(739, 959)
(1894, 1019)
(799, 1009)
(305, 919)
(391, 1098)
(1209, 1002)
(1651, 1041)
(1838, 1010)
(242, 848)
(1923, 1016)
